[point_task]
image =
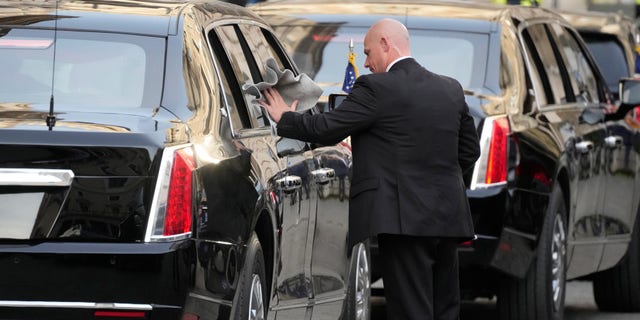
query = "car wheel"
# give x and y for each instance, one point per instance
(359, 290)
(540, 295)
(618, 289)
(252, 291)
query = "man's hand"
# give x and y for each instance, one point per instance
(275, 105)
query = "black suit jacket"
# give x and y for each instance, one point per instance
(412, 139)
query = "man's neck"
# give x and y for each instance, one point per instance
(395, 61)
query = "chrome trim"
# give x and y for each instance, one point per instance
(75, 305)
(291, 306)
(520, 233)
(36, 177)
(210, 299)
(480, 236)
(342, 297)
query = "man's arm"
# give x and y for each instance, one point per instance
(357, 112)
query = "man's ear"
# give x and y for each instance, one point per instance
(384, 43)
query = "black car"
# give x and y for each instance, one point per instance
(554, 195)
(138, 180)
(612, 40)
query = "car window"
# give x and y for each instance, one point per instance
(92, 70)
(581, 75)
(234, 47)
(232, 101)
(321, 51)
(609, 55)
(232, 98)
(543, 61)
(261, 48)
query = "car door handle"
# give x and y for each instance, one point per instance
(613, 141)
(323, 175)
(289, 183)
(584, 146)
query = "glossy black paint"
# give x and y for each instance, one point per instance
(548, 134)
(90, 241)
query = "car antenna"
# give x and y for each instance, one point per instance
(51, 118)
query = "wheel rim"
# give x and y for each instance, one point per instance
(558, 253)
(256, 305)
(363, 285)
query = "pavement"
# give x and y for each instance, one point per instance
(579, 305)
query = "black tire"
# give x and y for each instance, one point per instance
(252, 293)
(540, 295)
(618, 289)
(358, 303)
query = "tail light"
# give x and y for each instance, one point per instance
(171, 213)
(491, 168)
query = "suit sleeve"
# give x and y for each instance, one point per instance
(468, 145)
(357, 112)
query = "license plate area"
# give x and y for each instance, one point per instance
(18, 214)
(30, 200)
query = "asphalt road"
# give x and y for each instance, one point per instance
(579, 303)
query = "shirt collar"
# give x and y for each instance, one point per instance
(394, 62)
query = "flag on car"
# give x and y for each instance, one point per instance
(351, 73)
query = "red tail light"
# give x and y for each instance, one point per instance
(497, 160)
(178, 216)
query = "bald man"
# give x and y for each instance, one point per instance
(412, 140)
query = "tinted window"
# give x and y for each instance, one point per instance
(260, 47)
(321, 51)
(244, 70)
(581, 76)
(542, 59)
(609, 56)
(93, 70)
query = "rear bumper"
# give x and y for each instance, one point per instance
(74, 280)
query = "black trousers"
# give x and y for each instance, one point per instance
(420, 276)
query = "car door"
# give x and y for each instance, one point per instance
(581, 133)
(618, 167)
(291, 285)
(590, 88)
(324, 183)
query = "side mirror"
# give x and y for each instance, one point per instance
(629, 89)
(287, 146)
(335, 99)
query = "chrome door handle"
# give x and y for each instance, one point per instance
(323, 175)
(613, 141)
(289, 183)
(584, 146)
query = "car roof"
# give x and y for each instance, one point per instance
(364, 12)
(149, 17)
(603, 22)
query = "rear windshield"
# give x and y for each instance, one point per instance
(92, 70)
(321, 51)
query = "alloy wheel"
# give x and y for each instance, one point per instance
(558, 254)
(256, 300)
(363, 285)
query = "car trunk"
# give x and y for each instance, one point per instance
(75, 204)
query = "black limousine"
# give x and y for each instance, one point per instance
(555, 193)
(138, 180)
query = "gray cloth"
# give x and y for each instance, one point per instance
(291, 87)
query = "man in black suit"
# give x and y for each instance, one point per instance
(413, 140)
